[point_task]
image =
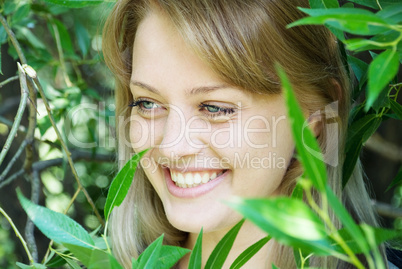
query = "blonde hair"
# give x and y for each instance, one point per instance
(240, 40)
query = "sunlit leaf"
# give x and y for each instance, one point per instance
(222, 249)
(346, 219)
(289, 221)
(353, 20)
(103, 260)
(121, 184)
(149, 258)
(196, 253)
(169, 256)
(306, 144)
(56, 226)
(246, 255)
(381, 71)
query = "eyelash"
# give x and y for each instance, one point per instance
(222, 111)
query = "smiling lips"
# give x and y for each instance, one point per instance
(194, 179)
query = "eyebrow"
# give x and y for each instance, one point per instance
(193, 91)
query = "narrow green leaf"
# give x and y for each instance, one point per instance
(353, 20)
(121, 184)
(324, 3)
(396, 181)
(77, 3)
(54, 260)
(65, 38)
(347, 220)
(25, 33)
(81, 253)
(149, 258)
(21, 13)
(397, 108)
(274, 266)
(379, 236)
(222, 249)
(360, 70)
(360, 44)
(83, 38)
(350, 162)
(169, 256)
(246, 255)
(56, 226)
(361, 130)
(73, 264)
(102, 260)
(290, 221)
(381, 71)
(306, 144)
(391, 14)
(196, 253)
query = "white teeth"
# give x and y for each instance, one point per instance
(197, 178)
(205, 178)
(213, 176)
(174, 177)
(180, 178)
(189, 179)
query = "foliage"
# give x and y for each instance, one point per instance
(306, 227)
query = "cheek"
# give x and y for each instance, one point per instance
(140, 133)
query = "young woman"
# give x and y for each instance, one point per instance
(196, 83)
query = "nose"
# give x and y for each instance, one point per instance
(181, 136)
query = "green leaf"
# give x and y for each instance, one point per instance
(378, 236)
(73, 264)
(391, 14)
(77, 3)
(381, 71)
(83, 38)
(373, 3)
(32, 266)
(21, 13)
(149, 258)
(306, 144)
(80, 252)
(56, 261)
(196, 253)
(56, 226)
(359, 69)
(65, 38)
(222, 249)
(350, 162)
(25, 33)
(121, 184)
(169, 256)
(324, 3)
(350, 226)
(353, 20)
(290, 221)
(102, 260)
(274, 266)
(396, 181)
(246, 255)
(397, 108)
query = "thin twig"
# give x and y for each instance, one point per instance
(61, 55)
(30, 149)
(13, 39)
(387, 210)
(29, 227)
(17, 120)
(13, 160)
(17, 233)
(3, 83)
(385, 148)
(76, 156)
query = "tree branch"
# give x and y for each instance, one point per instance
(385, 148)
(13, 39)
(387, 210)
(21, 108)
(3, 83)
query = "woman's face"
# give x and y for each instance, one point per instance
(208, 140)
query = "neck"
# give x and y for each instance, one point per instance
(248, 235)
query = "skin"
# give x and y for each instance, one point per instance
(175, 91)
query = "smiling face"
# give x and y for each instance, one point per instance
(209, 140)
